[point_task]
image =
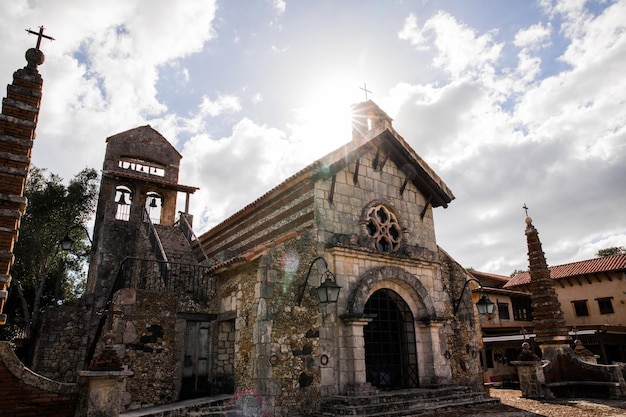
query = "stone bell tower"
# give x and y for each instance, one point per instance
(139, 183)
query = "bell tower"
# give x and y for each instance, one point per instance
(139, 186)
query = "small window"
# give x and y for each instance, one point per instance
(503, 311)
(606, 305)
(522, 308)
(580, 308)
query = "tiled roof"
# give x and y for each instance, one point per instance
(590, 266)
(489, 280)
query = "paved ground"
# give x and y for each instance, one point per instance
(513, 405)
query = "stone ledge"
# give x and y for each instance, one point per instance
(28, 377)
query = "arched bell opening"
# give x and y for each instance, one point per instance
(123, 200)
(154, 205)
(390, 343)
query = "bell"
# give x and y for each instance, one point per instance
(122, 199)
(153, 203)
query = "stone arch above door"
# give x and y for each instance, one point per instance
(398, 279)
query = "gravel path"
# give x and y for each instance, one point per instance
(513, 405)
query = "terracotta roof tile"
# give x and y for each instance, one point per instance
(590, 266)
(489, 280)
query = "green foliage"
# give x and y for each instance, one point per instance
(43, 274)
(615, 250)
(517, 271)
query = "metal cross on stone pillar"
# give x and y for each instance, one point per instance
(525, 209)
(39, 36)
(110, 313)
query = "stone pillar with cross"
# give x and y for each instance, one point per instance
(105, 377)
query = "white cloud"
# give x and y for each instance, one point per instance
(223, 104)
(412, 33)
(536, 36)
(280, 6)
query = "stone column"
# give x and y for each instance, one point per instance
(531, 378)
(433, 363)
(352, 346)
(104, 392)
(530, 372)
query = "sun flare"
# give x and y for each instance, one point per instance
(324, 121)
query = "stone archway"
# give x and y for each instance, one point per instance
(390, 343)
(426, 326)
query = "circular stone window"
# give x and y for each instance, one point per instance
(383, 227)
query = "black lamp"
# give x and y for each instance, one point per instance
(66, 243)
(484, 305)
(328, 291)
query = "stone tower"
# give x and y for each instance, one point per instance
(18, 122)
(550, 326)
(139, 181)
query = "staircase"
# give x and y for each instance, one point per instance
(409, 402)
(216, 406)
(175, 245)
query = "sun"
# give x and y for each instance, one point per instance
(324, 121)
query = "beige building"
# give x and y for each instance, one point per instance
(592, 294)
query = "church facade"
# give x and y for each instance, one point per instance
(236, 310)
(360, 217)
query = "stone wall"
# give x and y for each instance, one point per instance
(276, 349)
(62, 343)
(462, 339)
(346, 214)
(148, 342)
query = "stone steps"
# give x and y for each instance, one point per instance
(404, 402)
(205, 407)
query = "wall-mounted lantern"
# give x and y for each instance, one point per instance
(484, 305)
(67, 242)
(328, 291)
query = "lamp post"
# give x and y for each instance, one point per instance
(484, 305)
(328, 291)
(67, 242)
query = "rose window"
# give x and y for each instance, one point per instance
(382, 225)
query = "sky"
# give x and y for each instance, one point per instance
(510, 102)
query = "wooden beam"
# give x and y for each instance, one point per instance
(375, 162)
(423, 213)
(355, 177)
(406, 181)
(331, 193)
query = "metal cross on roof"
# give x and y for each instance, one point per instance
(525, 209)
(364, 88)
(39, 36)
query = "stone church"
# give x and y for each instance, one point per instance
(327, 291)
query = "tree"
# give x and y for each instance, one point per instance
(615, 250)
(43, 274)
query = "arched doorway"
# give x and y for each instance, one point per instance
(390, 349)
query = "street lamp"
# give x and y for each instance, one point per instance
(484, 305)
(328, 291)
(67, 241)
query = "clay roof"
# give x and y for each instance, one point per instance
(590, 266)
(489, 280)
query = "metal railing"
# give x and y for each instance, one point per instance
(187, 231)
(164, 277)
